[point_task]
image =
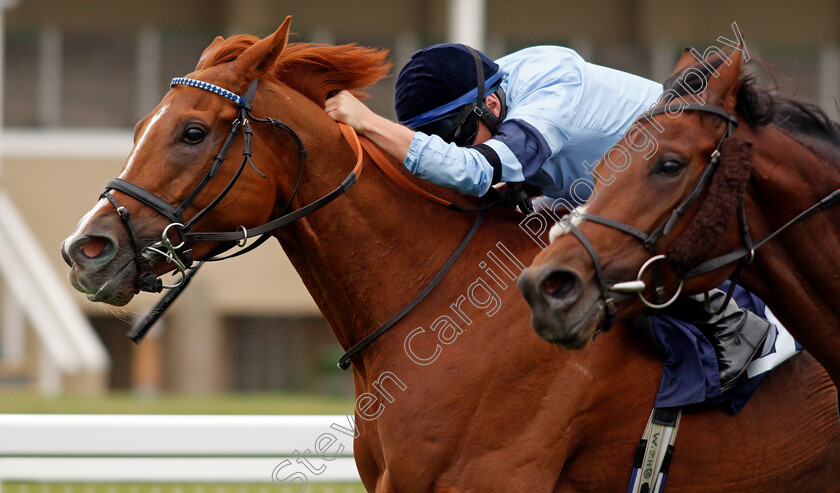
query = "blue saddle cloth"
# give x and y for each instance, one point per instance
(690, 374)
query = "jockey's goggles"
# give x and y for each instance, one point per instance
(460, 128)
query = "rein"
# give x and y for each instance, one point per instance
(717, 262)
(743, 256)
(180, 255)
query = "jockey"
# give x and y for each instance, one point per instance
(545, 114)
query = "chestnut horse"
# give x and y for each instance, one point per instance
(460, 395)
(778, 158)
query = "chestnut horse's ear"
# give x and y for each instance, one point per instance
(205, 56)
(260, 57)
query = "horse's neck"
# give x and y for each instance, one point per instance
(789, 177)
(368, 253)
(797, 272)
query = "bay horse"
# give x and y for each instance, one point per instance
(460, 395)
(777, 158)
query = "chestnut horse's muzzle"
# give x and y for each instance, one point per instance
(65, 255)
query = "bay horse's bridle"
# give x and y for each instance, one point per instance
(743, 256)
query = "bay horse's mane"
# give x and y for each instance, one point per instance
(315, 70)
(760, 106)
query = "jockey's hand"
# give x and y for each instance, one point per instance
(347, 109)
(392, 137)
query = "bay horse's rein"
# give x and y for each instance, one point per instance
(180, 255)
(744, 255)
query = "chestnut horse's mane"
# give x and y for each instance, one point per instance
(315, 70)
(761, 107)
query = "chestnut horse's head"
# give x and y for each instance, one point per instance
(190, 170)
(663, 197)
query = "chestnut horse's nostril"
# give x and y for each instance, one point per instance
(94, 246)
(91, 251)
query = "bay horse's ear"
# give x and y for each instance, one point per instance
(724, 88)
(260, 57)
(716, 79)
(205, 56)
(686, 60)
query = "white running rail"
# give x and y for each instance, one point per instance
(174, 448)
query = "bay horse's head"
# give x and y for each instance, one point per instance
(663, 197)
(190, 171)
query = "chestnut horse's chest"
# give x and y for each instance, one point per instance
(517, 418)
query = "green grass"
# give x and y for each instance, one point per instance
(35, 487)
(128, 403)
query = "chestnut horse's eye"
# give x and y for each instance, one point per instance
(669, 167)
(193, 135)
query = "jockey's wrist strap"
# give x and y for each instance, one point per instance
(492, 158)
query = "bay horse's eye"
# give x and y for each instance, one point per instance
(193, 135)
(669, 167)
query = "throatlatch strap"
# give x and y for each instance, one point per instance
(653, 457)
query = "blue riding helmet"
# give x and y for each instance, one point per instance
(437, 92)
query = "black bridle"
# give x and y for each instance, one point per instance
(649, 240)
(180, 255)
(743, 256)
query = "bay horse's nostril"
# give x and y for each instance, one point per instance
(560, 284)
(91, 251)
(555, 288)
(549, 285)
(548, 289)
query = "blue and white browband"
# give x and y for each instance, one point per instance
(241, 101)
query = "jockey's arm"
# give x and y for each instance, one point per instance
(391, 137)
(428, 157)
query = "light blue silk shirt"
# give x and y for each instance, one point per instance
(562, 112)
